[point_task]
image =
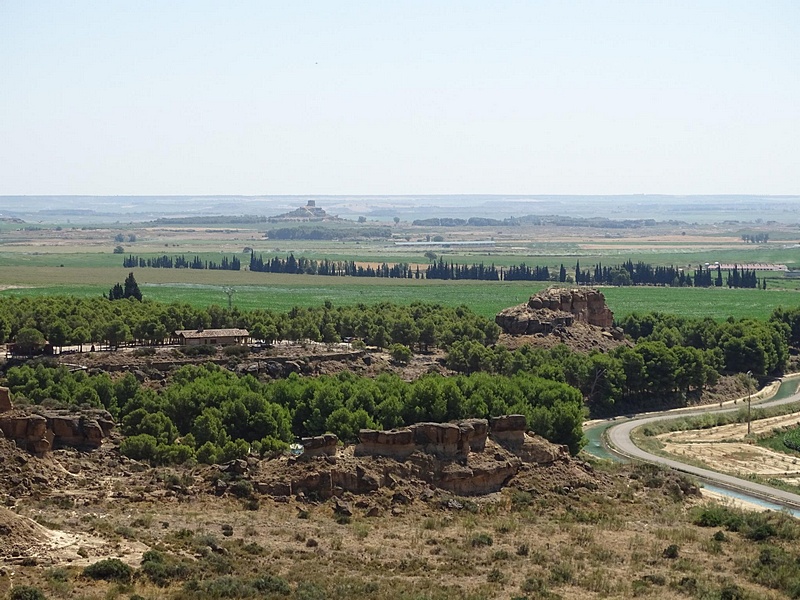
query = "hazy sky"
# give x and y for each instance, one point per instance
(400, 97)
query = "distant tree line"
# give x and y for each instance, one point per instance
(181, 262)
(556, 220)
(755, 238)
(442, 270)
(523, 272)
(307, 266)
(735, 278)
(626, 274)
(455, 222)
(642, 273)
(211, 220)
(130, 289)
(595, 222)
(328, 233)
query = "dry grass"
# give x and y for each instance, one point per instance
(624, 541)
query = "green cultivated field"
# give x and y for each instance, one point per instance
(280, 292)
(717, 303)
(80, 261)
(551, 254)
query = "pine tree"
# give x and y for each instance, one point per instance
(131, 289)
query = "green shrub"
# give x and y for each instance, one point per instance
(162, 569)
(199, 350)
(236, 351)
(715, 515)
(481, 539)
(270, 583)
(110, 569)
(400, 354)
(173, 454)
(139, 447)
(271, 446)
(26, 592)
(208, 453)
(241, 489)
(731, 592)
(233, 451)
(520, 499)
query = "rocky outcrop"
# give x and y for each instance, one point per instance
(452, 456)
(509, 430)
(44, 431)
(397, 443)
(471, 457)
(554, 308)
(537, 450)
(321, 445)
(443, 440)
(474, 432)
(478, 477)
(5, 400)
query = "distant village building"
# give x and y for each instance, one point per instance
(489, 243)
(212, 337)
(750, 266)
(310, 212)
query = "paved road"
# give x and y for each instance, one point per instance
(619, 438)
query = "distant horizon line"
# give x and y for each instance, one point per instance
(473, 195)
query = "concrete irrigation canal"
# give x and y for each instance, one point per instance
(612, 440)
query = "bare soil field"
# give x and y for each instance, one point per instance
(727, 449)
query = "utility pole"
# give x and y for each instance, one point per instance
(229, 291)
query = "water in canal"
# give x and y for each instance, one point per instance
(596, 447)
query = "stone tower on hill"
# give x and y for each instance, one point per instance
(308, 213)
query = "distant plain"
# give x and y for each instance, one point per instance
(55, 256)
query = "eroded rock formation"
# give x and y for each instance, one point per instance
(5, 400)
(556, 307)
(442, 440)
(320, 445)
(471, 457)
(40, 432)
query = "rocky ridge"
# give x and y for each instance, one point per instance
(472, 457)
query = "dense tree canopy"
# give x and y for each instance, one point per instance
(643, 376)
(212, 414)
(217, 415)
(75, 321)
(744, 345)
